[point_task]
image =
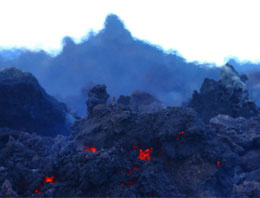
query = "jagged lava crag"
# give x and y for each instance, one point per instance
(24, 105)
(228, 96)
(122, 149)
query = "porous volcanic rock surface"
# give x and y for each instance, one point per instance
(228, 96)
(24, 105)
(118, 152)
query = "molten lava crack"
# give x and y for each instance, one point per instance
(93, 149)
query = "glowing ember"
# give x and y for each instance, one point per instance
(218, 164)
(49, 179)
(133, 169)
(180, 133)
(36, 191)
(145, 155)
(93, 149)
(46, 180)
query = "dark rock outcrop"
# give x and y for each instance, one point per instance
(243, 136)
(243, 132)
(97, 95)
(184, 156)
(228, 96)
(24, 105)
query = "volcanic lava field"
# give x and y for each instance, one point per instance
(116, 117)
(129, 147)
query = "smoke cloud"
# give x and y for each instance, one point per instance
(112, 57)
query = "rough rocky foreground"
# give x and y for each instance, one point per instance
(118, 151)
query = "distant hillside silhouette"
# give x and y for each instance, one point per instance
(113, 57)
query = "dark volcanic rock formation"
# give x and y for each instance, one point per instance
(139, 101)
(183, 158)
(24, 105)
(24, 161)
(97, 95)
(228, 96)
(120, 152)
(243, 136)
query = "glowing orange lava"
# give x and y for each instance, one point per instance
(145, 155)
(36, 191)
(46, 180)
(93, 149)
(49, 179)
(218, 164)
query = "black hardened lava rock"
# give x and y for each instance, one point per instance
(228, 96)
(184, 152)
(120, 152)
(97, 95)
(24, 105)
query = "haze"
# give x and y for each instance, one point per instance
(202, 30)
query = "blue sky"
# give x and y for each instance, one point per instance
(200, 30)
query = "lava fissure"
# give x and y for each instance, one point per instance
(145, 155)
(47, 179)
(93, 149)
(218, 164)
